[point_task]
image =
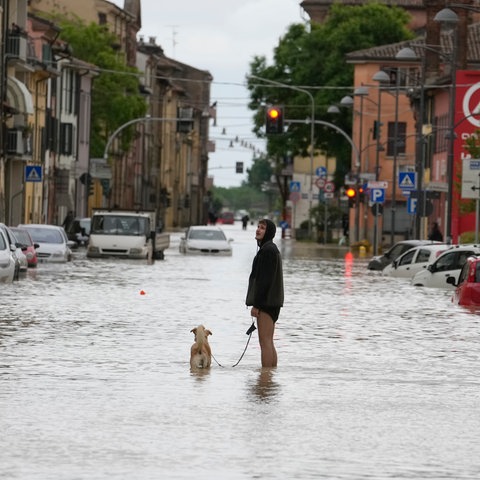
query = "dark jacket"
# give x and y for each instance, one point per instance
(265, 284)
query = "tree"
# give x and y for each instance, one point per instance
(260, 173)
(116, 97)
(314, 60)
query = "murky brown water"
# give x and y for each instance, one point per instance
(376, 379)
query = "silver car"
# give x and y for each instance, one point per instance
(53, 243)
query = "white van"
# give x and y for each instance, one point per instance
(126, 233)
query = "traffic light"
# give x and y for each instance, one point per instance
(274, 121)
(91, 187)
(351, 193)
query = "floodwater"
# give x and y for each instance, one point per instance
(376, 379)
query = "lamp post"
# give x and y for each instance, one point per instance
(450, 18)
(312, 135)
(381, 77)
(348, 101)
(408, 53)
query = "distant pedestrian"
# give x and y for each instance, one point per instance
(68, 220)
(245, 220)
(435, 234)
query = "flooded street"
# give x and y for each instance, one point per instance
(376, 379)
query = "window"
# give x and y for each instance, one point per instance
(423, 256)
(407, 258)
(400, 138)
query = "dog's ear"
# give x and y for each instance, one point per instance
(208, 332)
(194, 330)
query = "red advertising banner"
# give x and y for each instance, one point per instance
(467, 123)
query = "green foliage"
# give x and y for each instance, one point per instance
(241, 198)
(115, 95)
(260, 173)
(314, 60)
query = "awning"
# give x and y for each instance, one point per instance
(18, 96)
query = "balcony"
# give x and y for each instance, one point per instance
(17, 143)
(17, 47)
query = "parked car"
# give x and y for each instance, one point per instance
(21, 263)
(379, 262)
(205, 239)
(27, 245)
(467, 289)
(414, 260)
(227, 218)
(53, 243)
(448, 264)
(78, 230)
(7, 260)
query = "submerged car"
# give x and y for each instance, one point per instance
(21, 264)
(7, 260)
(379, 262)
(204, 240)
(27, 245)
(448, 264)
(467, 289)
(414, 260)
(53, 243)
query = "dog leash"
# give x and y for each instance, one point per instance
(249, 332)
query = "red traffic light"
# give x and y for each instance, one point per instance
(273, 113)
(274, 120)
(350, 192)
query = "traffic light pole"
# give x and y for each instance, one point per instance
(312, 136)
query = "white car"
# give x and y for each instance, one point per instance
(205, 240)
(414, 260)
(448, 264)
(7, 260)
(21, 262)
(53, 243)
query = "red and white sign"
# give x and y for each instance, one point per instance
(329, 187)
(320, 182)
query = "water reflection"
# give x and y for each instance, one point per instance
(265, 387)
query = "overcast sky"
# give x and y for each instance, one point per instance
(222, 36)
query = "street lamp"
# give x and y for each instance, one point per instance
(408, 53)
(312, 135)
(448, 17)
(382, 78)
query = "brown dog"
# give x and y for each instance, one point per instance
(200, 353)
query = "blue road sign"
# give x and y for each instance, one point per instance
(407, 180)
(412, 205)
(321, 172)
(295, 186)
(377, 195)
(33, 173)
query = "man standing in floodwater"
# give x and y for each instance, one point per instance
(265, 289)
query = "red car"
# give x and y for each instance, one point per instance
(467, 291)
(28, 247)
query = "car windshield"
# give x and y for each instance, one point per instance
(119, 225)
(206, 235)
(22, 236)
(46, 235)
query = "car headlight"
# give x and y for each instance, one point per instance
(135, 251)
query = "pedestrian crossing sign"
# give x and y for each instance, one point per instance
(33, 173)
(407, 181)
